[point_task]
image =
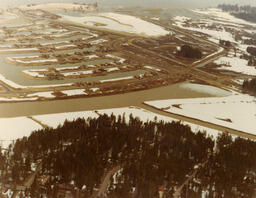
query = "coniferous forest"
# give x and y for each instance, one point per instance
(146, 156)
(245, 12)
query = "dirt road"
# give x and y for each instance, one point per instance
(177, 193)
(28, 181)
(105, 182)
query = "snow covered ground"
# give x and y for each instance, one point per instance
(117, 79)
(34, 61)
(221, 25)
(215, 35)
(152, 68)
(92, 56)
(219, 14)
(65, 72)
(12, 99)
(236, 111)
(23, 57)
(74, 92)
(29, 97)
(95, 89)
(53, 120)
(47, 94)
(215, 23)
(99, 41)
(121, 60)
(236, 64)
(66, 46)
(78, 73)
(13, 128)
(19, 49)
(112, 69)
(119, 22)
(33, 73)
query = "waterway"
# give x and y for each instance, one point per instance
(179, 90)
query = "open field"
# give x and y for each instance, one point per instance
(235, 111)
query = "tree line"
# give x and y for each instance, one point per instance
(245, 12)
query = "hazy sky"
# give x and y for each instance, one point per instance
(151, 3)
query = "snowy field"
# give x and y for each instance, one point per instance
(54, 120)
(236, 64)
(25, 125)
(13, 128)
(47, 94)
(117, 79)
(220, 15)
(214, 35)
(74, 92)
(119, 22)
(236, 111)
